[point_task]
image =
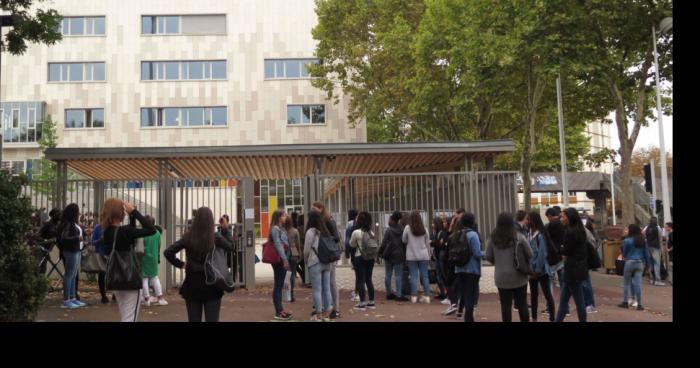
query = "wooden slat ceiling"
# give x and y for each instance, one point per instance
(271, 167)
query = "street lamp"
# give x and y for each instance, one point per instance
(666, 25)
(5, 21)
(562, 146)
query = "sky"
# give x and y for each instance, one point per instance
(648, 136)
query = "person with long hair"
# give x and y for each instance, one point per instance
(393, 252)
(301, 267)
(653, 235)
(70, 242)
(511, 283)
(295, 251)
(280, 240)
(199, 240)
(319, 272)
(634, 251)
(333, 230)
(123, 238)
(438, 243)
(543, 271)
(588, 292)
(575, 256)
(149, 267)
(363, 268)
(470, 273)
(454, 288)
(349, 228)
(417, 243)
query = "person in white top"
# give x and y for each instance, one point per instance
(417, 243)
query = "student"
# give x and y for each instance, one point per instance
(198, 241)
(149, 266)
(669, 240)
(521, 224)
(113, 214)
(417, 243)
(70, 242)
(319, 273)
(301, 267)
(555, 229)
(543, 271)
(295, 251)
(653, 235)
(349, 228)
(363, 268)
(470, 273)
(333, 230)
(280, 240)
(511, 284)
(48, 233)
(634, 251)
(393, 251)
(438, 244)
(588, 292)
(575, 256)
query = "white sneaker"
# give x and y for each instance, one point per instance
(146, 303)
(634, 304)
(425, 299)
(591, 309)
(153, 299)
(446, 302)
(162, 301)
(414, 299)
(659, 283)
(450, 310)
(316, 318)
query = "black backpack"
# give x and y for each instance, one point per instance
(553, 251)
(458, 249)
(328, 249)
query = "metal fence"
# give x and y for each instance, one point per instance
(486, 194)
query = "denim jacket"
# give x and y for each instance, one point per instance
(280, 237)
(474, 265)
(539, 255)
(630, 252)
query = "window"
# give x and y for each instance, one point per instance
(76, 72)
(183, 70)
(306, 114)
(20, 122)
(183, 24)
(184, 116)
(84, 118)
(288, 68)
(82, 26)
(15, 167)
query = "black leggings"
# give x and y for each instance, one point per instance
(363, 277)
(470, 290)
(101, 283)
(520, 296)
(211, 309)
(543, 282)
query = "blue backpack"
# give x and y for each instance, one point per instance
(328, 249)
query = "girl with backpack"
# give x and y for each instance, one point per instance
(333, 230)
(122, 238)
(469, 273)
(364, 250)
(634, 251)
(319, 272)
(575, 256)
(417, 243)
(199, 240)
(501, 252)
(543, 271)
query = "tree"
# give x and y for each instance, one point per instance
(38, 27)
(49, 139)
(22, 287)
(618, 40)
(642, 156)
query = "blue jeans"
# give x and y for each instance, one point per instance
(413, 267)
(588, 296)
(279, 273)
(633, 279)
(562, 285)
(320, 275)
(569, 290)
(655, 255)
(397, 269)
(72, 264)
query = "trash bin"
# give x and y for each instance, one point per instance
(611, 250)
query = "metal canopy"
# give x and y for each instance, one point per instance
(275, 161)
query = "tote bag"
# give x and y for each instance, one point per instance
(123, 269)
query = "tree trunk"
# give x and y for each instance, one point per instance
(627, 197)
(526, 165)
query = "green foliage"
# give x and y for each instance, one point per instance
(49, 139)
(38, 27)
(22, 288)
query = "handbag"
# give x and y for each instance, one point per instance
(123, 269)
(522, 264)
(270, 254)
(216, 271)
(92, 261)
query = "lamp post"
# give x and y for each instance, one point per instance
(665, 25)
(562, 146)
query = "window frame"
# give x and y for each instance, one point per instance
(183, 70)
(180, 23)
(65, 72)
(88, 117)
(183, 117)
(283, 62)
(87, 19)
(311, 115)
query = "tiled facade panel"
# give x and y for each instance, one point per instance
(257, 109)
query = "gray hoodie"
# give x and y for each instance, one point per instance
(506, 276)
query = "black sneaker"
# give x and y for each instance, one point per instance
(402, 299)
(292, 300)
(623, 305)
(640, 308)
(441, 297)
(105, 300)
(283, 316)
(371, 305)
(360, 307)
(391, 297)
(334, 315)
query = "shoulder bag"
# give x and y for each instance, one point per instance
(123, 268)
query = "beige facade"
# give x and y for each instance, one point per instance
(599, 136)
(256, 108)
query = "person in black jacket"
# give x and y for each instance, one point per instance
(48, 235)
(198, 241)
(438, 241)
(393, 251)
(70, 242)
(575, 258)
(122, 238)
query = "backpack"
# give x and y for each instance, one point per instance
(328, 250)
(458, 250)
(593, 259)
(553, 252)
(369, 247)
(216, 271)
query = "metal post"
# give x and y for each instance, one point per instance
(249, 230)
(562, 146)
(612, 191)
(662, 144)
(652, 203)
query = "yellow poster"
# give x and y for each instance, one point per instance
(273, 203)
